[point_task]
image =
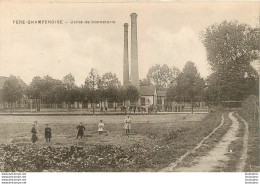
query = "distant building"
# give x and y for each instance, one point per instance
(151, 97)
(3, 79)
(161, 99)
(148, 96)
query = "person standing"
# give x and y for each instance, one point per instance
(81, 130)
(36, 125)
(127, 125)
(101, 127)
(48, 135)
(34, 133)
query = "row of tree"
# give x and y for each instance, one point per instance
(53, 91)
(107, 87)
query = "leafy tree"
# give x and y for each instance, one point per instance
(145, 82)
(121, 95)
(58, 93)
(231, 47)
(93, 88)
(189, 87)
(46, 90)
(91, 96)
(162, 76)
(76, 95)
(35, 90)
(109, 88)
(132, 94)
(171, 93)
(12, 91)
(47, 93)
(93, 81)
(212, 88)
(69, 84)
(69, 81)
(109, 79)
(113, 95)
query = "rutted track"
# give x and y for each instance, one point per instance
(173, 165)
(242, 163)
(217, 157)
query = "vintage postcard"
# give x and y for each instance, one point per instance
(129, 87)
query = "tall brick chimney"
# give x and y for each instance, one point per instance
(134, 52)
(126, 62)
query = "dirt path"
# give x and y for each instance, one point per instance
(242, 163)
(218, 155)
(174, 164)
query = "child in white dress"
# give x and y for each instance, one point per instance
(127, 125)
(101, 127)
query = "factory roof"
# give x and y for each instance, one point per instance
(3, 79)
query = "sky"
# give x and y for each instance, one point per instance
(168, 33)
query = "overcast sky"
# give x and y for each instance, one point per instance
(168, 33)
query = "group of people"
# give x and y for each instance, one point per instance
(80, 129)
(47, 132)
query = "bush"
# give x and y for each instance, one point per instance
(249, 109)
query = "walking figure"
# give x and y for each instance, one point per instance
(127, 125)
(101, 127)
(48, 135)
(34, 133)
(81, 130)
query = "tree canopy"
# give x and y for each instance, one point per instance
(189, 86)
(93, 81)
(46, 90)
(69, 81)
(231, 47)
(109, 79)
(162, 76)
(12, 91)
(132, 94)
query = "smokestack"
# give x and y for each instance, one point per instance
(134, 52)
(126, 62)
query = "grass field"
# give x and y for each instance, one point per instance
(155, 141)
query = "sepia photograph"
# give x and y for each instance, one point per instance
(129, 87)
